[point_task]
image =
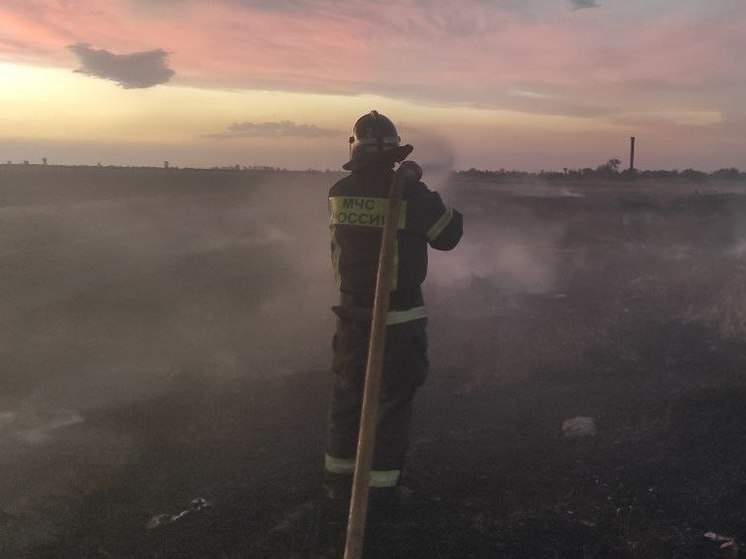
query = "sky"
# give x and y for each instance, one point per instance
(514, 84)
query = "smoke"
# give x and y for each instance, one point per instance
(34, 426)
(118, 286)
(131, 71)
(117, 283)
(738, 233)
(434, 153)
(496, 261)
(493, 261)
(511, 263)
(110, 292)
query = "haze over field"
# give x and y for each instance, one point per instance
(109, 289)
(115, 281)
(166, 335)
(527, 84)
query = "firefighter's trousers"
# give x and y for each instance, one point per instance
(405, 367)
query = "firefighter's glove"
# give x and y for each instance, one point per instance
(411, 170)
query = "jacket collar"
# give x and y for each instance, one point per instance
(385, 158)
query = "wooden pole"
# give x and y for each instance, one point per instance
(373, 372)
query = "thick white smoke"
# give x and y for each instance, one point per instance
(434, 153)
(118, 286)
(498, 259)
(108, 292)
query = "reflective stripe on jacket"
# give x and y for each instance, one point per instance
(357, 209)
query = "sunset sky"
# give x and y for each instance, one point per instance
(525, 84)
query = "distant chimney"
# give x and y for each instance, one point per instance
(44, 160)
(165, 164)
(632, 153)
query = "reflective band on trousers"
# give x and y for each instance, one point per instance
(399, 317)
(439, 225)
(384, 478)
(378, 478)
(339, 465)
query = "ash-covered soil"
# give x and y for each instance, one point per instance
(165, 338)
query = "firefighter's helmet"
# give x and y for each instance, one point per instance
(372, 135)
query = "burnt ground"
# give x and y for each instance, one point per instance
(624, 306)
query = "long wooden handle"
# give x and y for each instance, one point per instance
(373, 373)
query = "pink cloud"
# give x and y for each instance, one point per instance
(22, 30)
(471, 52)
(674, 50)
(258, 48)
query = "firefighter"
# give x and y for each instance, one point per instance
(357, 208)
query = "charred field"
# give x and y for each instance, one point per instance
(165, 337)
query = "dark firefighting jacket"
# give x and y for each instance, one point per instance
(357, 208)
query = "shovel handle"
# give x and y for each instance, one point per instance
(374, 370)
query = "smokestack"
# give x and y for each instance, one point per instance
(632, 153)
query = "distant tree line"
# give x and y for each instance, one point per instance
(249, 168)
(609, 170)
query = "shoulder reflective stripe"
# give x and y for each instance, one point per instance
(384, 478)
(365, 212)
(399, 317)
(439, 225)
(339, 465)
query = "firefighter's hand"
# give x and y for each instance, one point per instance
(410, 169)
